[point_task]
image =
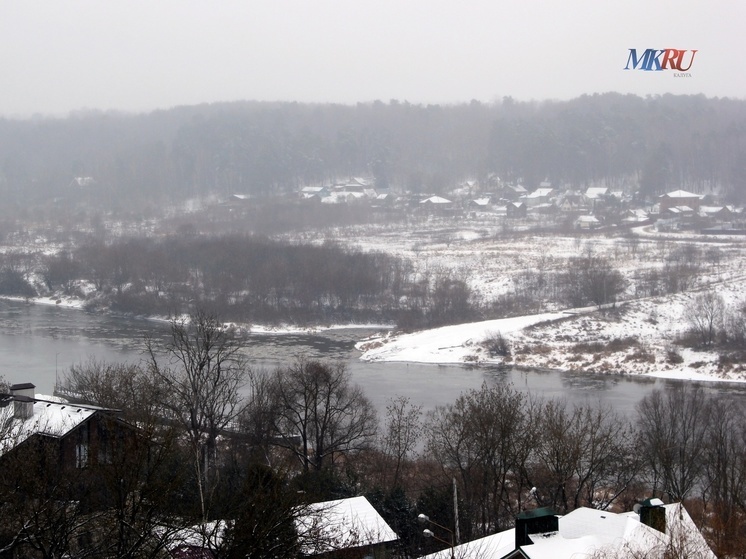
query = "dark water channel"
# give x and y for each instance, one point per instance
(40, 342)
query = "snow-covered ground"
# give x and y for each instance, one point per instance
(636, 337)
(449, 344)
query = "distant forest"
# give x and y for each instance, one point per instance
(652, 144)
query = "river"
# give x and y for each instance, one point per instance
(39, 343)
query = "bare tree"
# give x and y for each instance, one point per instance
(316, 404)
(725, 476)
(123, 386)
(402, 434)
(485, 439)
(201, 370)
(585, 457)
(592, 279)
(735, 325)
(705, 313)
(674, 428)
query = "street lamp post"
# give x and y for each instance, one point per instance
(425, 519)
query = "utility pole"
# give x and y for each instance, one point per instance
(455, 513)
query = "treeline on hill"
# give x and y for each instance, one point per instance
(138, 161)
(233, 458)
(249, 279)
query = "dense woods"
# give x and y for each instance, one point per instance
(251, 279)
(142, 161)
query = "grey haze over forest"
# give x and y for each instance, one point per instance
(139, 56)
(108, 161)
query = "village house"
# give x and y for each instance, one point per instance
(595, 197)
(679, 198)
(715, 213)
(385, 200)
(572, 201)
(355, 184)
(538, 197)
(349, 528)
(481, 204)
(314, 192)
(635, 217)
(515, 210)
(512, 192)
(436, 205)
(677, 211)
(587, 222)
(42, 434)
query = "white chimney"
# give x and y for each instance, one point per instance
(23, 400)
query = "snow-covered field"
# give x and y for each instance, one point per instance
(638, 336)
(635, 338)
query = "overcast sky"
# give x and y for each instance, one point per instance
(139, 55)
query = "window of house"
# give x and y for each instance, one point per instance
(81, 448)
(104, 445)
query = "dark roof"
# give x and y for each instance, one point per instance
(23, 386)
(536, 513)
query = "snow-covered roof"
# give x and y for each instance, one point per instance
(681, 526)
(481, 201)
(342, 524)
(638, 213)
(540, 193)
(594, 192)
(52, 419)
(342, 197)
(704, 210)
(680, 210)
(516, 187)
(679, 194)
(494, 546)
(435, 200)
(585, 531)
(587, 219)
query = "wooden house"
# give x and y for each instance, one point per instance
(43, 438)
(349, 528)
